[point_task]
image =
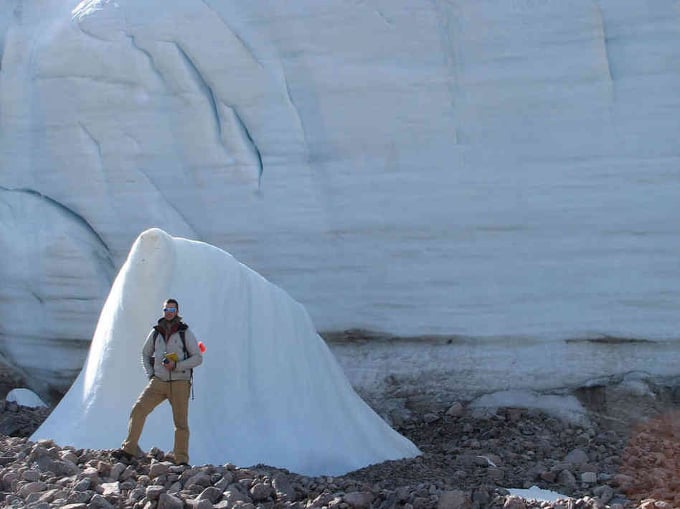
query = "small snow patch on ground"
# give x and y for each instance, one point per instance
(538, 494)
(25, 397)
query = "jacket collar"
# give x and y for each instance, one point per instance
(168, 328)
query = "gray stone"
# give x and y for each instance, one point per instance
(469, 460)
(37, 452)
(167, 501)
(31, 475)
(199, 479)
(99, 502)
(455, 410)
(38, 505)
(159, 468)
(245, 483)
(283, 487)
(74, 506)
(398, 416)
(496, 474)
(65, 468)
(13, 500)
(110, 488)
(222, 484)
(79, 497)
(419, 403)
(154, 492)
(548, 476)
(481, 497)
(127, 485)
(261, 491)
(660, 504)
(418, 503)
(8, 478)
(68, 456)
(576, 457)
(566, 478)
(359, 499)
(454, 499)
(128, 473)
(429, 418)
(211, 494)
(604, 493)
(33, 497)
(335, 503)
(588, 467)
(90, 473)
(322, 500)
(233, 495)
(6, 460)
(83, 484)
(514, 503)
(32, 487)
(52, 494)
(402, 493)
(116, 470)
(137, 494)
(589, 477)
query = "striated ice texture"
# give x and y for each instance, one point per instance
(478, 168)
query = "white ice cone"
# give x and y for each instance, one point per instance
(269, 389)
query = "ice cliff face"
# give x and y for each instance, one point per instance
(474, 167)
(55, 270)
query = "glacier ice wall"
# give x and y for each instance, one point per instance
(55, 271)
(479, 168)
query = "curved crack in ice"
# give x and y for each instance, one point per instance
(240, 39)
(213, 102)
(170, 203)
(605, 47)
(148, 54)
(251, 142)
(70, 212)
(203, 85)
(293, 105)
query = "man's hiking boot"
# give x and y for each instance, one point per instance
(171, 457)
(123, 456)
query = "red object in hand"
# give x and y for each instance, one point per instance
(201, 346)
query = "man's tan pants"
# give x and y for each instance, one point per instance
(157, 391)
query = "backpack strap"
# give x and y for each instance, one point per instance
(153, 356)
(182, 334)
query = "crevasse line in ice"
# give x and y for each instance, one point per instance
(69, 211)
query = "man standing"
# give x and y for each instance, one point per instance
(169, 355)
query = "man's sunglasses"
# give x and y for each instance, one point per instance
(169, 310)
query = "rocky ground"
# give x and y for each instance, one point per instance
(469, 460)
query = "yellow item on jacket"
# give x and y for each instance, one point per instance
(171, 356)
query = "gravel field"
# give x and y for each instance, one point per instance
(470, 459)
